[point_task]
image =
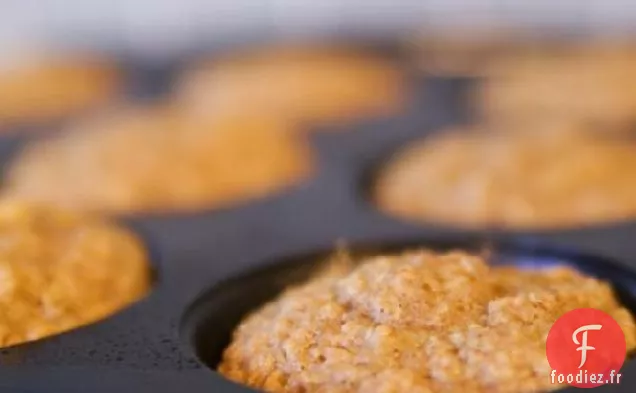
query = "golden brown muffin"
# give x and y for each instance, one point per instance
(51, 88)
(419, 321)
(514, 180)
(466, 53)
(312, 84)
(154, 160)
(60, 270)
(591, 83)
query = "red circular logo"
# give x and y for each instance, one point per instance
(586, 348)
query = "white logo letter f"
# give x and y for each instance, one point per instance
(583, 344)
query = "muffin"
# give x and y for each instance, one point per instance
(522, 180)
(61, 270)
(462, 53)
(582, 82)
(317, 85)
(49, 88)
(418, 321)
(155, 160)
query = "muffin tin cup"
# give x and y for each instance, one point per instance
(210, 321)
(165, 342)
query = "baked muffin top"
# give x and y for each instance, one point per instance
(45, 87)
(471, 177)
(589, 82)
(314, 84)
(155, 160)
(463, 52)
(61, 270)
(418, 321)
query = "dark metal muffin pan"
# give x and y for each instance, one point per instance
(165, 342)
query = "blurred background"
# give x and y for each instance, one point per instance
(159, 27)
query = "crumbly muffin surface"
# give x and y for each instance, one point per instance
(59, 271)
(316, 85)
(155, 160)
(51, 88)
(420, 322)
(551, 179)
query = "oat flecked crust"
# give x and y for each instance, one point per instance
(60, 270)
(318, 85)
(419, 321)
(49, 89)
(513, 180)
(154, 160)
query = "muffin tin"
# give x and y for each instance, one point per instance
(165, 342)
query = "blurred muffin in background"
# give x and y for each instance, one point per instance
(461, 52)
(60, 270)
(315, 84)
(155, 160)
(49, 87)
(514, 180)
(588, 82)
